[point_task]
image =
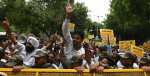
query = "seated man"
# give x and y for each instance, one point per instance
(50, 61)
(40, 59)
(127, 60)
(15, 60)
(116, 58)
(144, 64)
(105, 62)
(30, 47)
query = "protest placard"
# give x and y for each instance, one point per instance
(146, 47)
(90, 36)
(127, 46)
(137, 51)
(105, 32)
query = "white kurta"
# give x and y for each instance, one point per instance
(28, 59)
(70, 51)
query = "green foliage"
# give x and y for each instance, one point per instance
(130, 19)
(43, 16)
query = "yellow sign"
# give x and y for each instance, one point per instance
(127, 46)
(140, 46)
(146, 47)
(106, 32)
(112, 41)
(98, 44)
(121, 45)
(90, 36)
(58, 42)
(137, 51)
(104, 41)
(132, 42)
(86, 40)
(72, 26)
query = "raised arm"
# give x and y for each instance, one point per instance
(11, 36)
(87, 54)
(108, 46)
(54, 38)
(65, 28)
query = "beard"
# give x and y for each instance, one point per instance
(29, 49)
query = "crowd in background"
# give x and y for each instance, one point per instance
(72, 53)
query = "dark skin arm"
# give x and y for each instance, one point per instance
(108, 40)
(87, 55)
(54, 38)
(6, 44)
(7, 28)
(17, 69)
(94, 47)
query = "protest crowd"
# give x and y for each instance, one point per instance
(71, 53)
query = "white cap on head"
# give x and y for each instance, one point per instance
(33, 41)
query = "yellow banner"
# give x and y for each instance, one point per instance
(137, 51)
(72, 25)
(106, 32)
(98, 44)
(90, 36)
(127, 46)
(146, 47)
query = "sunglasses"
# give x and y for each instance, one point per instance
(50, 56)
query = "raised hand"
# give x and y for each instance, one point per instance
(6, 23)
(100, 69)
(69, 9)
(85, 45)
(54, 38)
(94, 67)
(79, 69)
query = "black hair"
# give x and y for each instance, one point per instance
(102, 48)
(2, 54)
(52, 53)
(113, 47)
(80, 33)
(110, 60)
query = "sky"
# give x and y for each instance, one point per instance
(97, 8)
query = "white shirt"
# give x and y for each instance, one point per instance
(70, 51)
(120, 66)
(28, 59)
(87, 65)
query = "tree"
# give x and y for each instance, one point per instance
(128, 19)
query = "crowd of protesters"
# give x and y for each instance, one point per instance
(72, 53)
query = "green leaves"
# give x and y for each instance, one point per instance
(43, 16)
(128, 19)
